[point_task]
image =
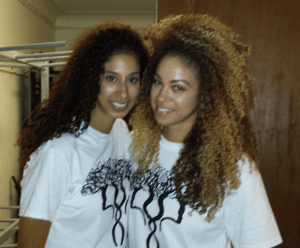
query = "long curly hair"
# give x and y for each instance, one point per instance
(75, 89)
(221, 134)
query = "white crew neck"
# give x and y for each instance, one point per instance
(97, 134)
(169, 144)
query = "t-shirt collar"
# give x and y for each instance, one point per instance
(97, 134)
(169, 144)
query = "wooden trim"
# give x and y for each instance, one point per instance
(191, 7)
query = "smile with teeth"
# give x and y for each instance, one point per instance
(119, 105)
(164, 109)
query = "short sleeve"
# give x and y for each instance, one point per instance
(249, 219)
(44, 185)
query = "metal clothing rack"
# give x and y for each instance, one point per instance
(10, 57)
(7, 232)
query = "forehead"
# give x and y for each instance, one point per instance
(176, 60)
(175, 66)
(122, 61)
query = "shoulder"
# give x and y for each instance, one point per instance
(64, 144)
(65, 139)
(119, 132)
(251, 186)
(129, 136)
(118, 138)
(55, 147)
(120, 121)
(248, 169)
(128, 139)
(50, 160)
(249, 177)
(121, 126)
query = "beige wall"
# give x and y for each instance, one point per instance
(22, 22)
(70, 25)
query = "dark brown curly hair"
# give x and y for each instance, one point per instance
(221, 134)
(75, 89)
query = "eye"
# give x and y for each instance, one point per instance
(156, 82)
(110, 79)
(133, 80)
(178, 88)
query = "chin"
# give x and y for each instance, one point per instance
(163, 122)
(119, 115)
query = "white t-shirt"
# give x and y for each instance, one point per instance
(157, 218)
(80, 185)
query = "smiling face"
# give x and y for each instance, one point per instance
(174, 96)
(120, 85)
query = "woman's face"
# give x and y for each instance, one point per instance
(120, 85)
(174, 93)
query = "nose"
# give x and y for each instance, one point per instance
(122, 90)
(162, 95)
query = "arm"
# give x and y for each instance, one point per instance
(44, 186)
(33, 232)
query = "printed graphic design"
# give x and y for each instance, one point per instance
(158, 182)
(112, 173)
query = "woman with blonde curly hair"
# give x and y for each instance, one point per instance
(197, 182)
(74, 188)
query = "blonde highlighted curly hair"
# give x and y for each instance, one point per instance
(222, 133)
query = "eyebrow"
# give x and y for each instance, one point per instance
(115, 73)
(175, 80)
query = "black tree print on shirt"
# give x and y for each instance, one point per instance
(112, 173)
(159, 183)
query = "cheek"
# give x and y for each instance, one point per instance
(194, 103)
(153, 94)
(107, 89)
(188, 103)
(134, 90)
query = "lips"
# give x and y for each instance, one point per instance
(119, 105)
(164, 109)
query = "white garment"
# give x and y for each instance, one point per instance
(158, 219)
(80, 185)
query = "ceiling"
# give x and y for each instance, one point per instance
(106, 5)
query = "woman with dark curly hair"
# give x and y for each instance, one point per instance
(197, 182)
(74, 188)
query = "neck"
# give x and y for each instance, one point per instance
(102, 124)
(175, 134)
